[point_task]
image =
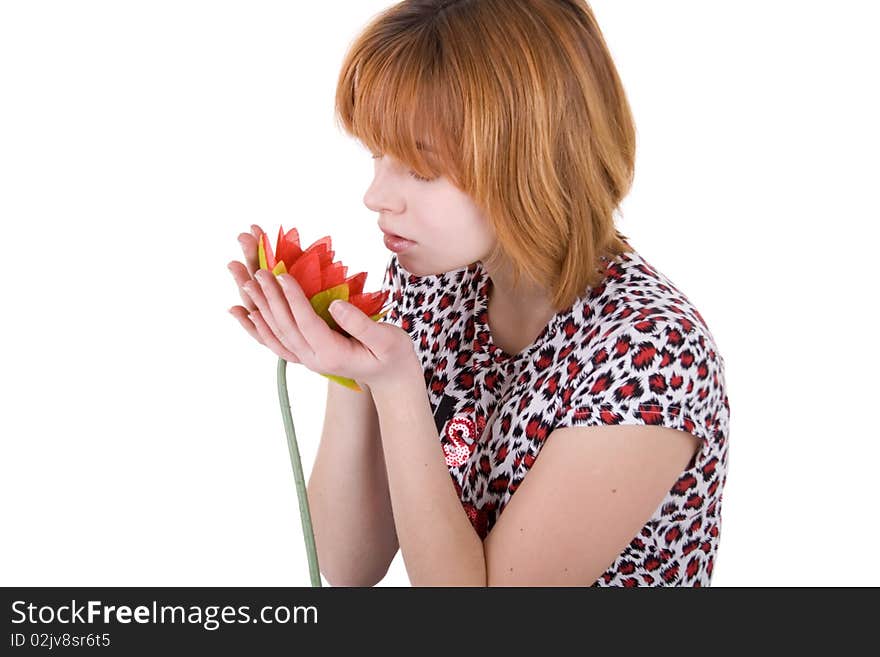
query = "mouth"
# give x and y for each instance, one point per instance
(396, 236)
(396, 243)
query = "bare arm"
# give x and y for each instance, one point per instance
(439, 543)
(348, 493)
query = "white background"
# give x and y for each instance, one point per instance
(142, 442)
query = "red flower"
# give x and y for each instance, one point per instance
(322, 280)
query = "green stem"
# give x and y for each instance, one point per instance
(298, 478)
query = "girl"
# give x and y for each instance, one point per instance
(544, 407)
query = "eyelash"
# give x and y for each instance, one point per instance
(414, 175)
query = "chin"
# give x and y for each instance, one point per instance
(419, 267)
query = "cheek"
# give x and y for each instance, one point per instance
(455, 232)
(453, 224)
(465, 242)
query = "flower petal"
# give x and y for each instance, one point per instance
(356, 283)
(307, 272)
(267, 259)
(322, 300)
(288, 248)
(341, 380)
(371, 302)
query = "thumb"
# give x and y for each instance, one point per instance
(355, 322)
(345, 314)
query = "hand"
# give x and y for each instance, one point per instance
(375, 353)
(243, 273)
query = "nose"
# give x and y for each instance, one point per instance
(381, 196)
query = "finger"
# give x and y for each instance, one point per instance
(374, 337)
(241, 314)
(288, 331)
(270, 340)
(241, 275)
(251, 255)
(257, 232)
(319, 337)
(255, 292)
(249, 246)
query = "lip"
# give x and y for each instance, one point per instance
(394, 235)
(397, 243)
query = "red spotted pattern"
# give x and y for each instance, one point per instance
(632, 350)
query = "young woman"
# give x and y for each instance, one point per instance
(545, 407)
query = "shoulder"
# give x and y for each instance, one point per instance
(638, 345)
(636, 304)
(632, 291)
(649, 372)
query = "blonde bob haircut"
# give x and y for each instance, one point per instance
(522, 109)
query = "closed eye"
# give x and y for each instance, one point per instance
(412, 173)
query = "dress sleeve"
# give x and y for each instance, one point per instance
(650, 373)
